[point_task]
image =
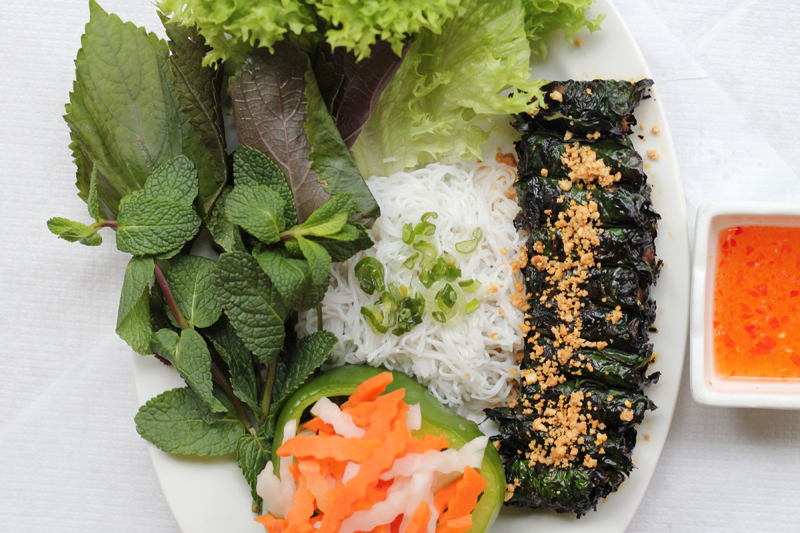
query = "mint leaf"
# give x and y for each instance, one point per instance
(133, 316)
(347, 233)
(150, 225)
(123, 114)
(192, 281)
(205, 412)
(174, 180)
(225, 233)
(292, 278)
(329, 155)
(74, 231)
(252, 304)
(319, 261)
(331, 226)
(198, 89)
(189, 354)
(252, 454)
(342, 251)
(304, 358)
(340, 203)
(172, 422)
(93, 201)
(239, 360)
(269, 102)
(251, 167)
(258, 209)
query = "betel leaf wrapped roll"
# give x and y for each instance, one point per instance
(564, 490)
(612, 368)
(631, 247)
(610, 287)
(540, 150)
(516, 435)
(625, 329)
(542, 199)
(613, 407)
(607, 106)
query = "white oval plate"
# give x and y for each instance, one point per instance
(210, 495)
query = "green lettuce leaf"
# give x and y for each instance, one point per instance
(542, 17)
(448, 85)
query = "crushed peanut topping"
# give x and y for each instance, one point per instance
(557, 96)
(568, 135)
(653, 154)
(586, 168)
(656, 130)
(626, 415)
(579, 42)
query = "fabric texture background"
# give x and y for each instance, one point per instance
(70, 457)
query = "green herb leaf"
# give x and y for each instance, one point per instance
(151, 225)
(192, 281)
(292, 278)
(225, 234)
(258, 209)
(252, 303)
(270, 108)
(74, 231)
(158, 315)
(341, 250)
(251, 167)
(133, 317)
(319, 261)
(190, 356)
(329, 155)
(304, 358)
(172, 422)
(93, 201)
(347, 233)
(198, 89)
(239, 360)
(342, 203)
(174, 180)
(252, 454)
(123, 113)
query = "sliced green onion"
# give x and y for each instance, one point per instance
(449, 259)
(439, 317)
(382, 315)
(396, 292)
(370, 275)
(428, 251)
(469, 285)
(466, 247)
(424, 228)
(472, 305)
(409, 263)
(409, 314)
(408, 234)
(430, 214)
(446, 298)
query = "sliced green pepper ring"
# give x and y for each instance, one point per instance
(436, 419)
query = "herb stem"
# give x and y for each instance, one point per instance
(220, 378)
(170, 299)
(319, 316)
(272, 370)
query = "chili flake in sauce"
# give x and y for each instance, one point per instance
(756, 302)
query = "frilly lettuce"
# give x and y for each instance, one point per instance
(448, 84)
(233, 27)
(544, 16)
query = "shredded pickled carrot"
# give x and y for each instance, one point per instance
(323, 501)
(756, 302)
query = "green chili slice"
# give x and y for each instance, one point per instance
(370, 275)
(469, 246)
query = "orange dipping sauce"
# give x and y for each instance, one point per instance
(757, 302)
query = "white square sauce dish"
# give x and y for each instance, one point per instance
(745, 306)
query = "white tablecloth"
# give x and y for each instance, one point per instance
(70, 458)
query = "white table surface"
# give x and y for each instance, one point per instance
(70, 459)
